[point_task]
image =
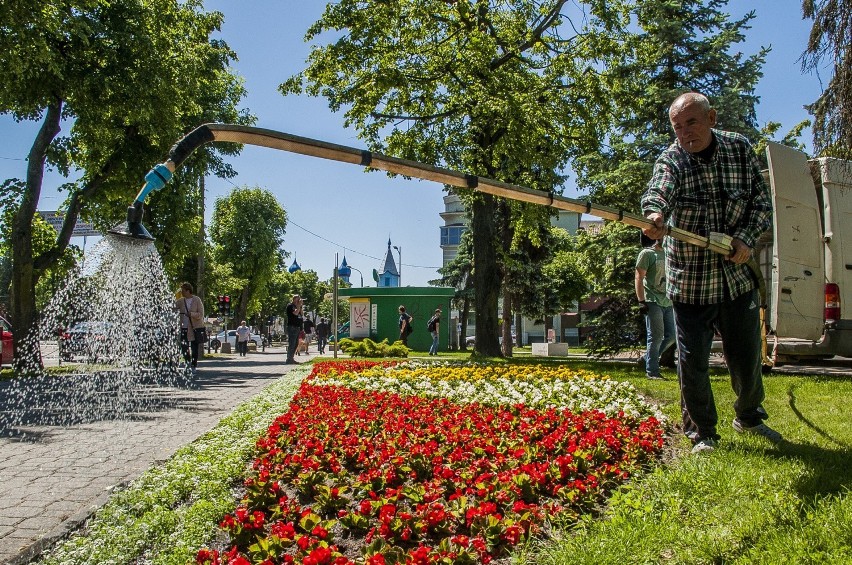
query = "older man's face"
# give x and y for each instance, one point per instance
(692, 124)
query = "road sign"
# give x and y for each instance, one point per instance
(56, 219)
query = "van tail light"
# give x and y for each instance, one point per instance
(832, 302)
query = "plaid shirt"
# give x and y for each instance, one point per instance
(726, 194)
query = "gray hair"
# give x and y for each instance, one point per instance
(692, 98)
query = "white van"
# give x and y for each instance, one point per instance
(807, 264)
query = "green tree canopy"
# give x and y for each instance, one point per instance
(458, 274)
(680, 46)
(608, 259)
(247, 230)
(565, 277)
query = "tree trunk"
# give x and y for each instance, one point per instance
(486, 277)
(465, 313)
(506, 326)
(506, 242)
(24, 274)
(519, 329)
(242, 306)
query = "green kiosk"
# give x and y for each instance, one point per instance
(374, 313)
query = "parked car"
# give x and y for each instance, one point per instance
(89, 340)
(219, 339)
(5, 342)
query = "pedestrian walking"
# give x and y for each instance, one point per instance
(192, 332)
(243, 334)
(323, 331)
(308, 326)
(405, 327)
(294, 327)
(434, 327)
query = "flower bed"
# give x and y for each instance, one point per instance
(361, 469)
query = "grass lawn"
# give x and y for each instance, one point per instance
(746, 502)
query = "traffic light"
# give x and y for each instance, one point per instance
(224, 305)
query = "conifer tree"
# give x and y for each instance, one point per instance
(831, 37)
(682, 45)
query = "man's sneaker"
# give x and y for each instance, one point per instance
(656, 377)
(759, 430)
(704, 444)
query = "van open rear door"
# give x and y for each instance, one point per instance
(798, 271)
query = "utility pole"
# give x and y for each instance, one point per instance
(199, 275)
(399, 250)
(334, 291)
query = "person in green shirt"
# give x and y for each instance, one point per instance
(650, 283)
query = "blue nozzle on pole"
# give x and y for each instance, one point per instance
(154, 180)
(133, 228)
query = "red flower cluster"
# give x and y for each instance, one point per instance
(422, 480)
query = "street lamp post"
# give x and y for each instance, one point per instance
(359, 273)
(399, 250)
(334, 296)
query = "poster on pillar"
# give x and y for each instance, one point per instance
(359, 317)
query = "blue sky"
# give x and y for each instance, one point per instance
(338, 208)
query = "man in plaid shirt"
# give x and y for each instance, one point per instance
(709, 181)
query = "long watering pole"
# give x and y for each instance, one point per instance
(278, 140)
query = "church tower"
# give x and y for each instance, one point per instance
(344, 271)
(389, 275)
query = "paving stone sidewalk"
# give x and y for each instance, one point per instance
(53, 477)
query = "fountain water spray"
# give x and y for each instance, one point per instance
(114, 327)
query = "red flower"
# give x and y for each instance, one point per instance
(318, 556)
(283, 531)
(319, 532)
(419, 556)
(512, 535)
